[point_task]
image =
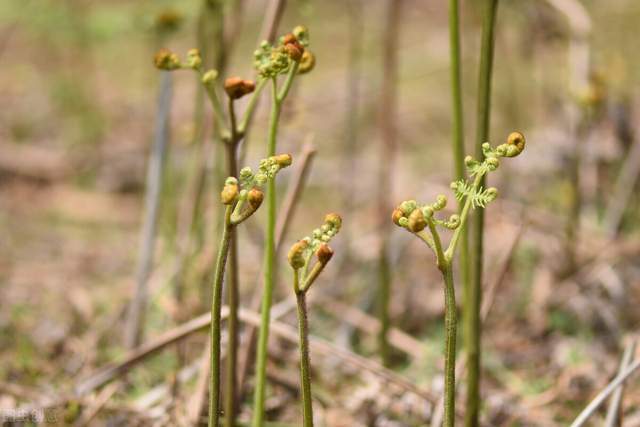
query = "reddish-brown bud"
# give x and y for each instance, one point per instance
(324, 253)
(334, 220)
(296, 254)
(517, 139)
(396, 215)
(417, 222)
(229, 193)
(283, 160)
(289, 38)
(293, 47)
(255, 198)
(236, 87)
(166, 60)
(293, 52)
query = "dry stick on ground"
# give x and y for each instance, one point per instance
(604, 394)
(46, 402)
(388, 149)
(290, 202)
(487, 304)
(136, 355)
(155, 173)
(283, 330)
(623, 191)
(294, 191)
(327, 348)
(103, 397)
(199, 396)
(614, 414)
(371, 325)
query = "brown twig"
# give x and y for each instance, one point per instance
(199, 396)
(273, 16)
(623, 191)
(136, 355)
(290, 202)
(604, 394)
(101, 400)
(326, 348)
(134, 326)
(614, 413)
(358, 318)
(251, 317)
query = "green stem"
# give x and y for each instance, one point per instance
(218, 113)
(251, 107)
(216, 304)
(233, 287)
(305, 368)
(288, 82)
(312, 276)
(437, 245)
(269, 271)
(474, 294)
(456, 89)
(458, 158)
(450, 326)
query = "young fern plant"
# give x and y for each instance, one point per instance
(241, 198)
(422, 222)
(304, 275)
(289, 57)
(230, 130)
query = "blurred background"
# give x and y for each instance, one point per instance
(83, 119)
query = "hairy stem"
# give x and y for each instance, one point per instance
(305, 365)
(450, 325)
(474, 297)
(216, 304)
(269, 271)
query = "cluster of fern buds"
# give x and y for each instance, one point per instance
(246, 193)
(272, 60)
(415, 218)
(301, 252)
